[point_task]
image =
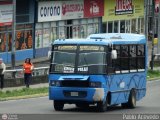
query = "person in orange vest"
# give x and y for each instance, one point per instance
(27, 69)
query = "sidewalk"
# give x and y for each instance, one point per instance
(19, 63)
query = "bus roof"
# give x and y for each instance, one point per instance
(105, 39)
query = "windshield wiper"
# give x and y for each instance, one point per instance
(86, 63)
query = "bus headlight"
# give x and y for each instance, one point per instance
(95, 84)
(55, 83)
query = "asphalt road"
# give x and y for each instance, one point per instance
(43, 108)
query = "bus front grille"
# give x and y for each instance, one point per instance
(75, 83)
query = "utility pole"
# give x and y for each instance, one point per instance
(158, 47)
(146, 19)
(13, 34)
(153, 32)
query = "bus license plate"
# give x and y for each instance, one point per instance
(75, 94)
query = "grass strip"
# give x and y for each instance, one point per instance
(28, 92)
(153, 74)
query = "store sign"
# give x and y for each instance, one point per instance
(93, 8)
(49, 11)
(124, 7)
(6, 13)
(72, 10)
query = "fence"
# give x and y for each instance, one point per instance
(15, 77)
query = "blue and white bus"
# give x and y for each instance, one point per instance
(102, 70)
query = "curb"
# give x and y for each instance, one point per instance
(151, 79)
(24, 97)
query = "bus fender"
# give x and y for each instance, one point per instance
(99, 94)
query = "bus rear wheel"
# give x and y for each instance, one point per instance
(131, 101)
(58, 105)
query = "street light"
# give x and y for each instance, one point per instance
(13, 34)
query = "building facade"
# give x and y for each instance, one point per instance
(24, 32)
(66, 19)
(39, 23)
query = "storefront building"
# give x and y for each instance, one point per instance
(24, 29)
(39, 23)
(66, 19)
(123, 16)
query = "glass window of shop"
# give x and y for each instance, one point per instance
(75, 29)
(38, 36)
(24, 39)
(90, 27)
(5, 38)
(46, 35)
(96, 26)
(139, 26)
(110, 27)
(133, 27)
(68, 29)
(83, 28)
(61, 31)
(24, 11)
(128, 26)
(47, 32)
(122, 26)
(116, 27)
(142, 26)
(54, 30)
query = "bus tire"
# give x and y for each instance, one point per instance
(58, 105)
(131, 100)
(102, 106)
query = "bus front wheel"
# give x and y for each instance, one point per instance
(102, 106)
(131, 100)
(58, 105)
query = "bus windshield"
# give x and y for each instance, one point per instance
(79, 59)
(92, 58)
(64, 58)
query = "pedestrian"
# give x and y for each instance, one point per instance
(27, 69)
(2, 70)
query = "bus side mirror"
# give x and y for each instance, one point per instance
(49, 54)
(114, 54)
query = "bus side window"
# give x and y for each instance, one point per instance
(109, 62)
(117, 62)
(132, 58)
(124, 58)
(141, 57)
(114, 64)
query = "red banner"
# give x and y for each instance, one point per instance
(93, 8)
(6, 23)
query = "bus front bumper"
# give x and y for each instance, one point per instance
(76, 94)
